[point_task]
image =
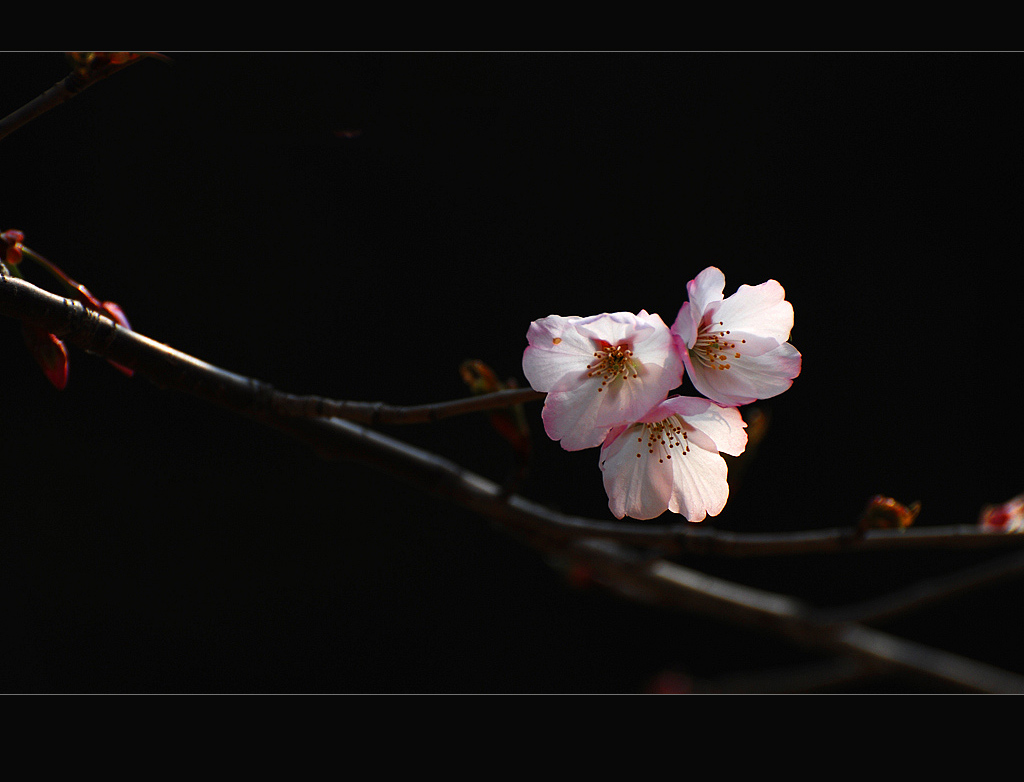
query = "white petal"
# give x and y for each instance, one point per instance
(580, 408)
(760, 310)
(637, 487)
(704, 289)
(556, 351)
(685, 327)
(713, 427)
(723, 425)
(748, 378)
(655, 344)
(571, 417)
(659, 370)
(644, 481)
(615, 328)
(700, 484)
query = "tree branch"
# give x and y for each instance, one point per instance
(172, 369)
(629, 557)
(667, 583)
(929, 591)
(80, 78)
(373, 413)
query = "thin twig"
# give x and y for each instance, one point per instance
(373, 413)
(68, 87)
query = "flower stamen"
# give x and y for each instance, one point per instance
(663, 436)
(712, 346)
(613, 362)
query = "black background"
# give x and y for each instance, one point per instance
(357, 224)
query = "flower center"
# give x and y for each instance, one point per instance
(612, 362)
(713, 347)
(662, 437)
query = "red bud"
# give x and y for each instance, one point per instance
(116, 314)
(50, 353)
(12, 252)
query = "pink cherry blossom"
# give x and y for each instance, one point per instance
(735, 349)
(670, 459)
(599, 372)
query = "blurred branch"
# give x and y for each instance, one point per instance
(87, 69)
(628, 558)
(930, 591)
(873, 651)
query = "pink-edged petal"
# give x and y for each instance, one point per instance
(711, 426)
(581, 416)
(670, 460)
(626, 400)
(616, 327)
(748, 344)
(705, 289)
(720, 429)
(659, 369)
(735, 349)
(700, 485)
(676, 405)
(572, 418)
(684, 329)
(748, 378)
(653, 345)
(759, 310)
(599, 372)
(556, 351)
(637, 487)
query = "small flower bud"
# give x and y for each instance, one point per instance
(11, 241)
(886, 513)
(50, 353)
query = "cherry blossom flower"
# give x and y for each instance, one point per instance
(735, 349)
(670, 459)
(599, 372)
